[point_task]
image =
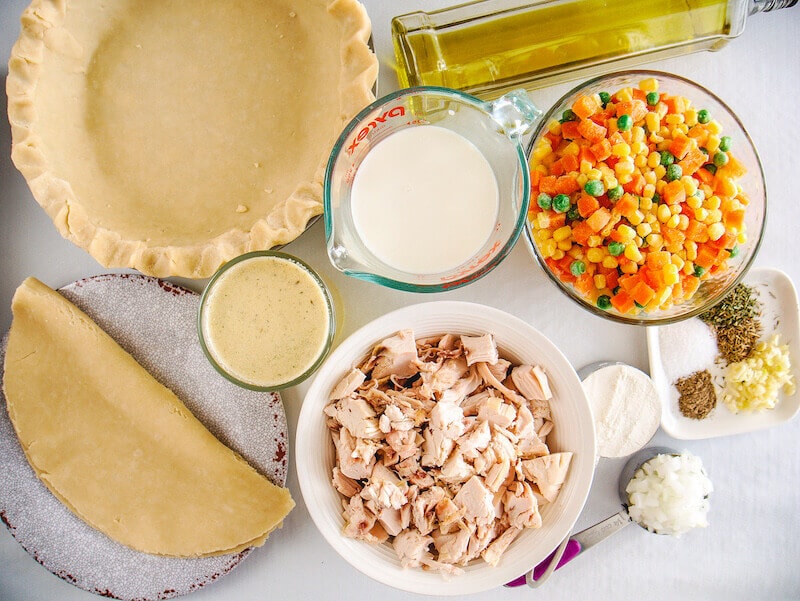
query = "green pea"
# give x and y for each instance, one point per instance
(577, 268)
(604, 302)
(703, 116)
(615, 193)
(561, 203)
(725, 143)
(710, 167)
(605, 98)
(734, 251)
(720, 159)
(674, 172)
(652, 98)
(573, 213)
(624, 122)
(594, 187)
(667, 158)
(699, 271)
(544, 201)
(656, 197)
(568, 115)
(615, 248)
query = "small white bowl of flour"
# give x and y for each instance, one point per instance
(625, 406)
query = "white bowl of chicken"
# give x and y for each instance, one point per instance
(445, 448)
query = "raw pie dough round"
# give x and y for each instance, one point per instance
(173, 136)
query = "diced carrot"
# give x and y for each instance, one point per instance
(570, 163)
(696, 231)
(601, 150)
(734, 168)
(555, 139)
(536, 176)
(569, 130)
(636, 108)
(584, 283)
(628, 281)
(675, 104)
(693, 160)
(586, 106)
(581, 232)
(681, 145)
(674, 192)
(587, 205)
(704, 175)
(598, 220)
(550, 220)
(656, 259)
(673, 236)
(591, 130)
(700, 135)
(547, 184)
(642, 293)
(612, 279)
(585, 154)
(627, 205)
(706, 255)
(557, 168)
(734, 220)
(567, 184)
(622, 302)
(690, 285)
(724, 186)
(635, 185)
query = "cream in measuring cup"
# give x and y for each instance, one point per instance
(427, 188)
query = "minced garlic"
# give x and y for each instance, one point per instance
(753, 384)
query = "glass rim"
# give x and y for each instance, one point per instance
(326, 347)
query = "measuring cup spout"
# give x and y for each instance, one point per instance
(515, 112)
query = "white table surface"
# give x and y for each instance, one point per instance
(751, 550)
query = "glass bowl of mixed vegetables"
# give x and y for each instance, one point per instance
(648, 198)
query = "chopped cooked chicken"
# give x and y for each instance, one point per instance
(531, 382)
(499, 545)
(480, 349)
(548, 473)
(357, 416)
(348, 385)
(396, 356)
(346, 486)
(476, 501)
(348, 462)
(441, 449)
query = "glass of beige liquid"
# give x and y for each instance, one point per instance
(266, 320)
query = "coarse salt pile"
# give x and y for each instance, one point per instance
(686, 347)
(669, 494)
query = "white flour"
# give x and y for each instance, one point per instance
(626, 409)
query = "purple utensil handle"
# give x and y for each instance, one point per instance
(572, 549)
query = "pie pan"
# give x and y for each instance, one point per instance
(174, 148)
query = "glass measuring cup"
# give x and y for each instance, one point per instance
(494, 129)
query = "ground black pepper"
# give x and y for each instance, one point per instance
(697, 396)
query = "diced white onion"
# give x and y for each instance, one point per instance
(669, 494)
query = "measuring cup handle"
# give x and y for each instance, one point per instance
(572, 549)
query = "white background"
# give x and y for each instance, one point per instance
(751, 549)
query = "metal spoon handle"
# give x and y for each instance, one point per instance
(577, 544)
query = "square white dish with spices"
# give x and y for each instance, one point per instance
(684, 349)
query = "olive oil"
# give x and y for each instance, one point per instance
(486, 48)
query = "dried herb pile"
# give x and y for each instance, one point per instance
(736, 323)
(697, 397)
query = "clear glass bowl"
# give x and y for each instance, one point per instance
(215, 357)
(717, 286)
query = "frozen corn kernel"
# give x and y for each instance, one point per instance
(716, 230)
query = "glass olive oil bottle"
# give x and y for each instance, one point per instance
(486, 48)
